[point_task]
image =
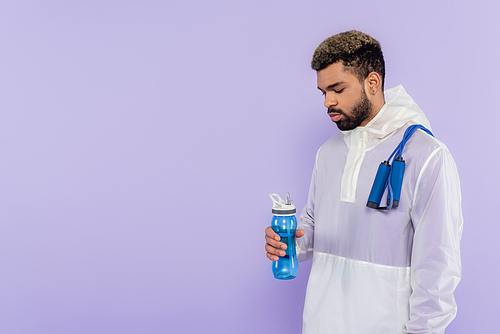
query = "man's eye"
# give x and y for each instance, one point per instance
(339, 91)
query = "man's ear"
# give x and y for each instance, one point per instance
(374, 83)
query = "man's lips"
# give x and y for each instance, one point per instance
(335, 117)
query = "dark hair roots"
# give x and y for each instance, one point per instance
(360, 54)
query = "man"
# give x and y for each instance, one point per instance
(376, 271)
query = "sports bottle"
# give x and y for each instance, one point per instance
(284, 224)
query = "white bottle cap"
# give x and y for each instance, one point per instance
(281, 207)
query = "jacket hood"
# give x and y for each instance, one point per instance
(398, 111)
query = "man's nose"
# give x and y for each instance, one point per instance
(330, 100)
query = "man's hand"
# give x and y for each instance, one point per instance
(274, 247)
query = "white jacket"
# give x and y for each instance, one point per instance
(382, 271)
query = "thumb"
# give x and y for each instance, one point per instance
(299, 233)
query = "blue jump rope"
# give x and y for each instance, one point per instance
(391, 176)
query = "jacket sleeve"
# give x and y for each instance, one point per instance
(305, 244)
(435, 262)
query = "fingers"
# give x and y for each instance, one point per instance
(272, 234)
(275, 244)
(274, 248)
(274, 254)
(273, 239)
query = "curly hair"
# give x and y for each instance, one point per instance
(360, 54)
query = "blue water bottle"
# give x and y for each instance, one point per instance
(284, 224)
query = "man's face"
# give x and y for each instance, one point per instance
(345, 97)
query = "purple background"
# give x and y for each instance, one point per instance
(139, 141)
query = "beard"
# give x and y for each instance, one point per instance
(358, 113)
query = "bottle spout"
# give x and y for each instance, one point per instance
(282, 207)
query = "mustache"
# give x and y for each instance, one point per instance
(332, 110)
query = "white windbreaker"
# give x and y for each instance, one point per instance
(382, 271)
